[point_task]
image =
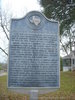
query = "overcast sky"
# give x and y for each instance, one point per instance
(18, 9)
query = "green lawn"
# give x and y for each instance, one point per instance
(66, 91)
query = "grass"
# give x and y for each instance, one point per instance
(67, 88)
(66, 91)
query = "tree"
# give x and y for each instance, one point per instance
(61, 64)
(63, 12)
(68, 36)
(5, 15)
(4, 29)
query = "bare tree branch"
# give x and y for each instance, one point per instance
(4, 31)
(3, 51)
(64, 48)
(6, 28)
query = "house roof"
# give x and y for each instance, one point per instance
(71, 55)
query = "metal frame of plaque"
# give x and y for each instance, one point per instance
(34, 54)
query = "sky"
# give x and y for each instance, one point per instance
(16, 9)
(19, 8)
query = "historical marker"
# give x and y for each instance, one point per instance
(34, 52)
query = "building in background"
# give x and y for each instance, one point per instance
(69, 60)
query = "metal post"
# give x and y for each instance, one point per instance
(33, 95)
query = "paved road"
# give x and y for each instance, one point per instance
(2, 74)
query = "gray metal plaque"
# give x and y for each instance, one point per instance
(33, 52)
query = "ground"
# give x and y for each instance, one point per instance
(66, 91)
